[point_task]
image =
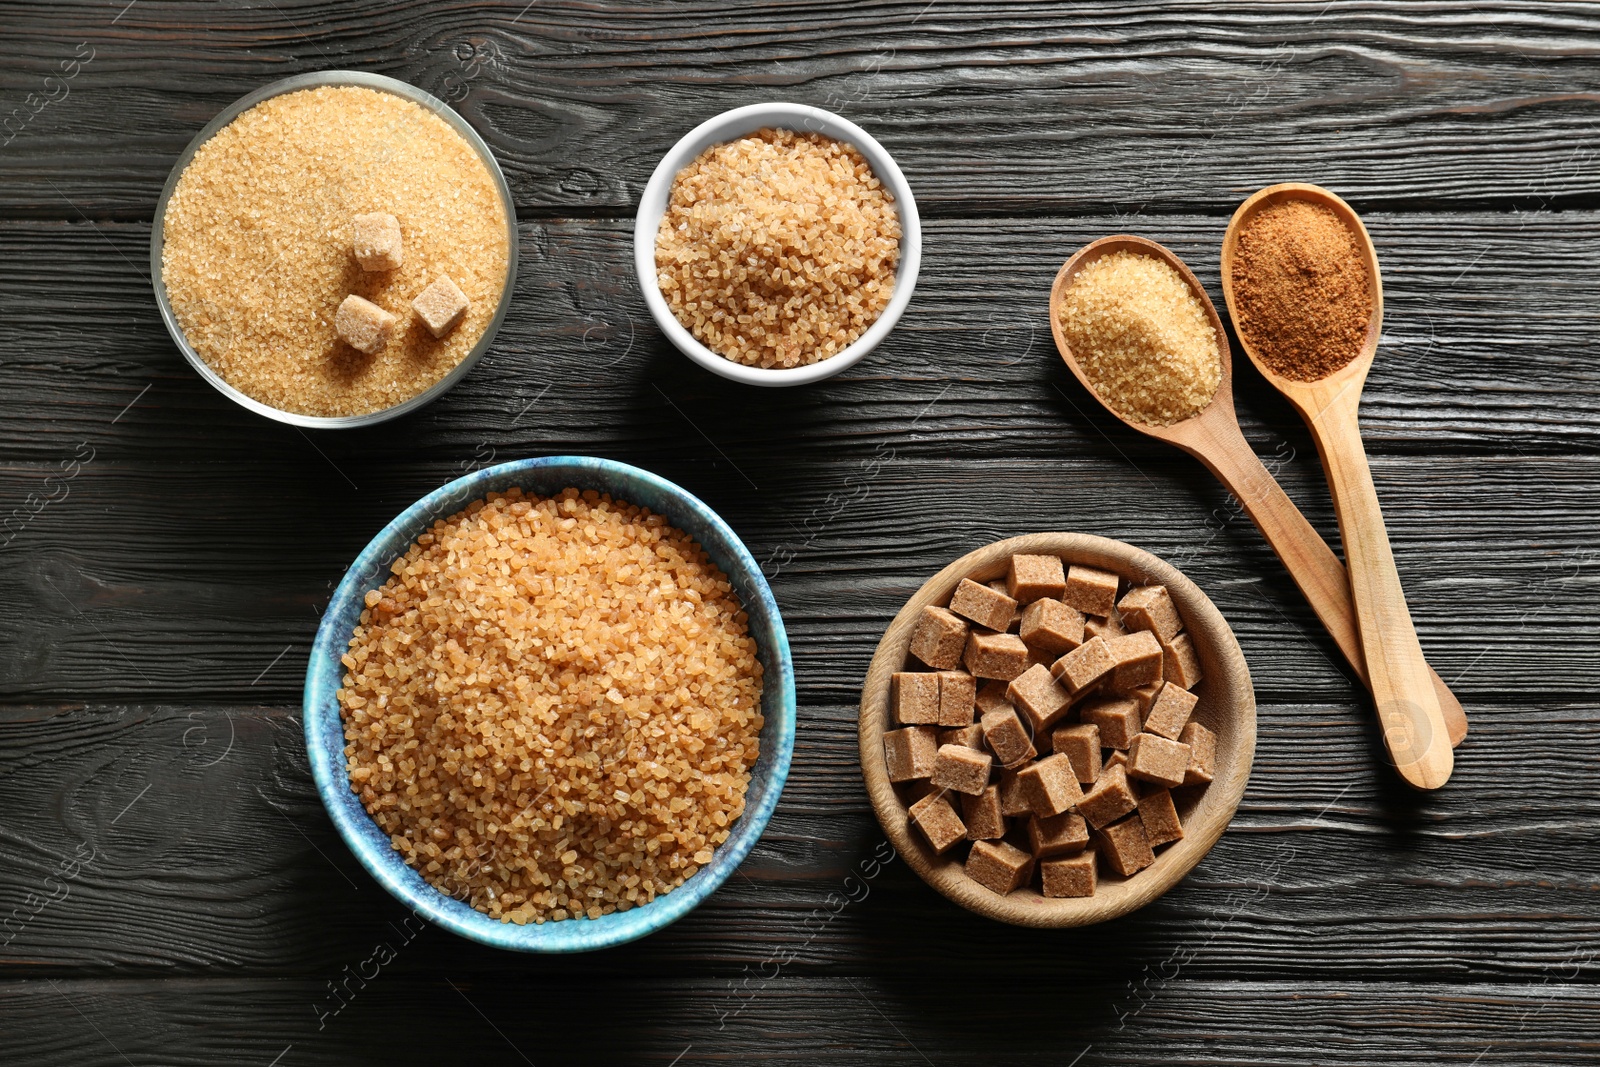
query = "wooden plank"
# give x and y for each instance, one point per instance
(784, 1019)
(1484, 351)
(170, 890)
(206, 582)
(1050, 106)
(205, 850)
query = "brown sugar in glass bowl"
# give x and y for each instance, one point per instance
(1226, 708)
(251, 252)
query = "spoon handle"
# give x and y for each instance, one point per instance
(1413, 724)
(1311, 563)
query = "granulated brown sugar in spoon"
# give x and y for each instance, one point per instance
(1213, 437)
(1313, 252)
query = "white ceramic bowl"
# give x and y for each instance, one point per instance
(726, 127)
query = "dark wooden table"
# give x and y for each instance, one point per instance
(170, 889)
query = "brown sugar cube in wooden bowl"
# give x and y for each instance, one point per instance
(1202, 753)
(1108, 627)
(916, 698)
(939, 638)
(1007, 737)
(1181, 663)
(1071, 876)
(982, 814)
(998, 866)
(1016, 616)
(1013, 805)
(958, 697)
(1170, 711)
(1030, 577)
(1057, 835)
(1051, 627)
(1160, 817)
(1150, 608)
(1117, 719)
(998, 656)
(1085, 666)
(1153, 758)
(966, 770)
(1080, 743)
(1225, 709)
(1146, 695)
(992, 697)
(1039, 697)
(937, 819)
(969, 736)
(983, 605)
(1109, 799)
(1138, 661)
(910, 753)
(1091, 590)
(1050, 786)
(1125, 846)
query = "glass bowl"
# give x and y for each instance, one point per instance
(313, 81)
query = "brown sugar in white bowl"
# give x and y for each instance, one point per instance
(1226, 706)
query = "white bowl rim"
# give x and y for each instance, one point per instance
(735, 123)
(313, 80)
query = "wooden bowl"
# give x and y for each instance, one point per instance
(1227, 707)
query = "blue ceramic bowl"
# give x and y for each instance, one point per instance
(325, 731)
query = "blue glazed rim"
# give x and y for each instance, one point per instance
(325, 729)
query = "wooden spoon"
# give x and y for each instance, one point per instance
(1406, 701)
(1214, 438)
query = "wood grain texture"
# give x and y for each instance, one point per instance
(212, 856)
(170, 891)
(1460, 366)
(842, 1020)
(1053, 106)
(167, 582)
